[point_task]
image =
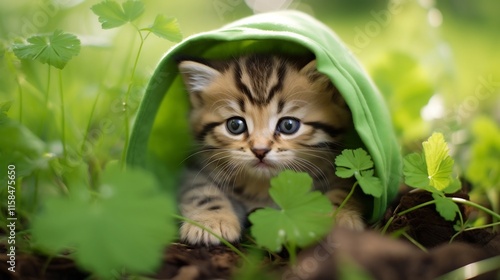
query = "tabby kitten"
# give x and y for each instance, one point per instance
(253, 117)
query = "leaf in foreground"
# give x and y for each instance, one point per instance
(352, 161)
(302, 218)
(370, 184)
(166, 28)
(359, 164)
(127, 227)
(55, 49)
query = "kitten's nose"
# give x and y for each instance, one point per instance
(260, 153)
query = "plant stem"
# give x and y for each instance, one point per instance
(20, 101)
(389, 222)
(415, 242)
(344, 202)
(13, 70)
(462, 226)
(43, 133)
(127, 95)
(483, 226)
(456, 200)
(292, 251)
(416, 207)
(475, 205)
(63, 124)
(473, 270)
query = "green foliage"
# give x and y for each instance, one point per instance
(166, 28)
(302, 218)
(407, 88)
(126, 225)
(111, 15)
(55, 49)
(445, 207)
(438, 161)
(484, 166)
(18, 145)
(359, 164)
(432, 171)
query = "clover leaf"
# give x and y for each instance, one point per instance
(415, 171)
(125, 227)
(111, 15)
(55, 49)
(432, 169)
(445, 207)
(166, 28)
(439, 162)
(359, 164)
(302, 218)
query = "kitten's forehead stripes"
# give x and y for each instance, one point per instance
(260, 71)
(239, 84)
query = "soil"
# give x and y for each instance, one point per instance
(381, 257)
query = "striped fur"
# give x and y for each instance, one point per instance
(230, 173)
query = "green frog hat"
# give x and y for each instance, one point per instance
(160, 138)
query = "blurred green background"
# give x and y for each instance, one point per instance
(437, 63)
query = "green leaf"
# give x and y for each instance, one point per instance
(111, 15)
(359, 164)
(283, 190)
(483, 168)
(4, 108)
(351, 161)
(166, 28)
(20, 146)
(415, 171)
(439, 163)
(133, 9)
(454, 186)
(369, 184)
(125, 227)
(445, 207)
(55, 49)
(303, 217)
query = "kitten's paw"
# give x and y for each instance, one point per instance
(224, 225)
(349, 219)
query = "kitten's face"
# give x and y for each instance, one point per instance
(259, 115)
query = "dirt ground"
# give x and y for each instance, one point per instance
(381, 257)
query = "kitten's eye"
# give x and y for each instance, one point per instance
(288, 125)
(236, 125)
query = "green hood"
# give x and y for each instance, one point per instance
(160, 138)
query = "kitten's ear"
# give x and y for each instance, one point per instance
(197, 76)
(314, 75)
(309, 69)
(319, 80)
